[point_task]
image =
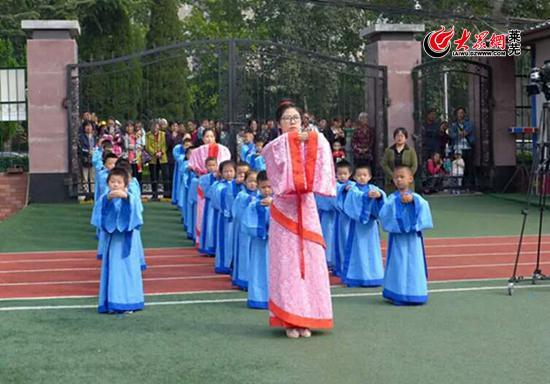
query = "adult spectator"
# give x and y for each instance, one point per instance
(462, 135)
(398, 154)
(362, 141)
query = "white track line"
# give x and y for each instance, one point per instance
(483, 265)
(207, 277)
(439, 267)
(88, 250)
(428, 240)
(93, 258)
(241, 300)
(98, 268)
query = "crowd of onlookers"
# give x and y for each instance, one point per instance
(446, 158)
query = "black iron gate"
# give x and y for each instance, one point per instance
(445, 85)
(228, 80)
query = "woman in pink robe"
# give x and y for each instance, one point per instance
(197, 162)
(298, 164)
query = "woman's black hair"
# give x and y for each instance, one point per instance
(401, 130)
(283, 106)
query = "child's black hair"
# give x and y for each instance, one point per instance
(250, 172)
(225, 164)
(262, 176)
(209, 159)
(124, 164)
(397, 168)
(107, 145)
(116, 171)
(243, 164)
(259, 139)
(109, 155)
(344, 164)
(363, 166)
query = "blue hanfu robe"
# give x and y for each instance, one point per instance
(341, 227)
(207, 240)
(247, 150)
(363, 255)
(224, 193)
(97, 159)
(257, 162)
(121, 285)
(326, 206)
(177, 152)
(99, 189)
(192, 196)
(135, 189)
(255, 221)
(181, 193)
(406, 276)
(242, 240)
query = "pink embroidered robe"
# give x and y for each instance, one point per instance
(197, 162)
(299, 287)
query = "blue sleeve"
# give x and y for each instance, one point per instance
(240, 203)
(255, 220)
(423, 214)
(259, 164)
(97, 159)
(387, 215)
(215, 194)
(353, 203)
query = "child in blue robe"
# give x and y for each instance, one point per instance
(255, 159)
(326, 207)
(121, 286)
(255, 221)
(109, 161)
(207, 237)
(135, 189)
(241, 246)
(178, 153)
(247, 149)
(404, 215)
(192, 195)
(342, 221)
(223, 194)
(363, 255)
(181, 199)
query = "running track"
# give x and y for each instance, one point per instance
(182, 270)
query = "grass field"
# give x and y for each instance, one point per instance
(470, 331)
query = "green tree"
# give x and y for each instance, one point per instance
(107, 32)
(166, 89)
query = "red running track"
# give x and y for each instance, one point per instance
(181, 270)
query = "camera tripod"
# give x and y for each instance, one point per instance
(537, 183)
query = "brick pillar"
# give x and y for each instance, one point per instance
(50, 48)
(394, 46)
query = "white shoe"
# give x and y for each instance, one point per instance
(304, 332)
(292, 333)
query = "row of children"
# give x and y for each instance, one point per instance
(232, 222)
(350, 225)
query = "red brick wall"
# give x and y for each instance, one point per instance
(13, 193)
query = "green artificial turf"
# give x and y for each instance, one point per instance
(51, 227)
(480, 336)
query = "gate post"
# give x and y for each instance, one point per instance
(394, 46)
(50, 48)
